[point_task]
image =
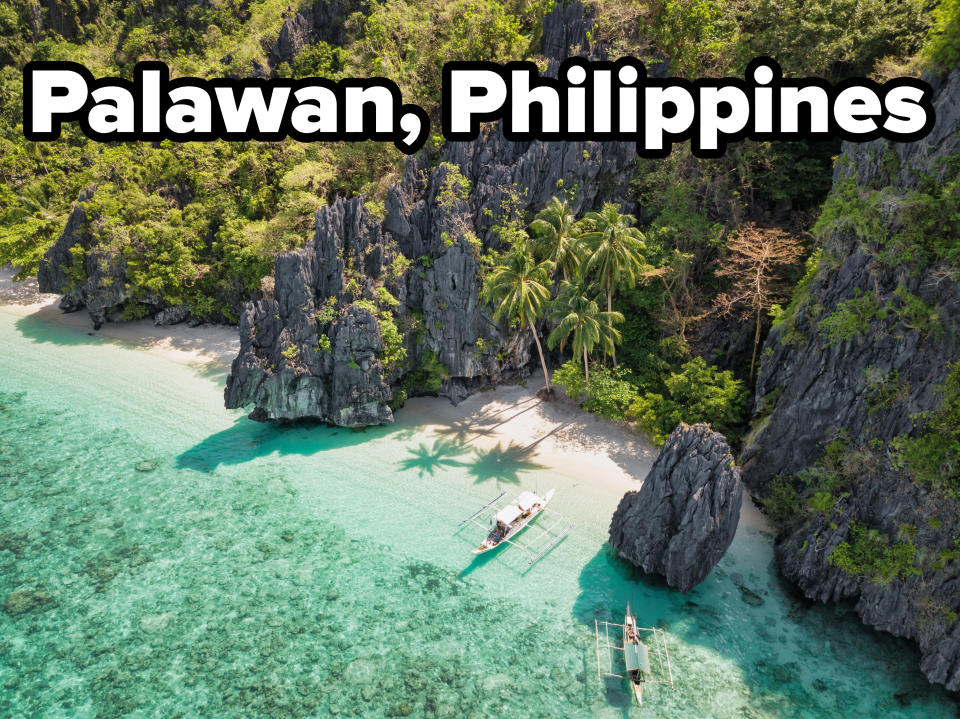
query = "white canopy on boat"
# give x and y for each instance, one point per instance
(637, 657)
(527, 500)
(509, 513)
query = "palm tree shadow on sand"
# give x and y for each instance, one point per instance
(503, 464)
(462, 429)
(427, 460)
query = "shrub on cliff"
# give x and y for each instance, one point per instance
(934, 454)
(943, 46)
(870, 553)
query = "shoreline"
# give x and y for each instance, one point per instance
(207, 344)
(557, 435)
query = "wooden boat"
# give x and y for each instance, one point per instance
(513, 518)
(636, 655)
(510, 519)
(640, 668)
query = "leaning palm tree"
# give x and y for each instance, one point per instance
(614, 251)
(555, 228)
(518, 288)
(577, 313)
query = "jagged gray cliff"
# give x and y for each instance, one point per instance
(865, 347)
(284, 366)
(95, 278)
(97, 283)
(321, 21)
(683, 518)
(439, 221)
(425, 253)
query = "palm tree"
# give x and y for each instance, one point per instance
(614, 249)
(518, 287)
(576, 312)
(33, 202)
(555, 228)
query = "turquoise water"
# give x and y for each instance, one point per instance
(162, 557)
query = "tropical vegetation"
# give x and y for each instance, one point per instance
(518, 290)
(626, 296)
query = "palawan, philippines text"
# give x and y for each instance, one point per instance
(587, 100)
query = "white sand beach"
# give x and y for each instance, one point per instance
(557, 435)
(206, 344)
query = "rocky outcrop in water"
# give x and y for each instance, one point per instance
(683, 518)
(419, 270)
(865, 348)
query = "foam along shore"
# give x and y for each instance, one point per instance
(558, 435)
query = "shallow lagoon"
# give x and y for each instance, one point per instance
(170, 558)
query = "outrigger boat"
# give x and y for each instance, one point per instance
(513, 519)
(636, 654)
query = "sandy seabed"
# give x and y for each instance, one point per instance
(558, 434)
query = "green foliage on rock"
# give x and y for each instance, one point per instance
(428, 376)
(393, 352)
(408, 41)
(835, 39)
(943, 46)
(869, 553)
(925, 221)
(851, 319)
(933, 454)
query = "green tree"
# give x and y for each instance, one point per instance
(934, 453)
(518, 288)
(943, 43)
(615, 250)
(578, 314)
(698, 392)
(835, 39)
(555, 231)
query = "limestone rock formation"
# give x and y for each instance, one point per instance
(171, 316)
(860, 386)
(299, 359)
(97, 282)
(821, 385)
(683, 518)
(438, 222)
(323, 20)
(95, 278)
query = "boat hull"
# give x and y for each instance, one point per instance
(489, 545)
(631, 638)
